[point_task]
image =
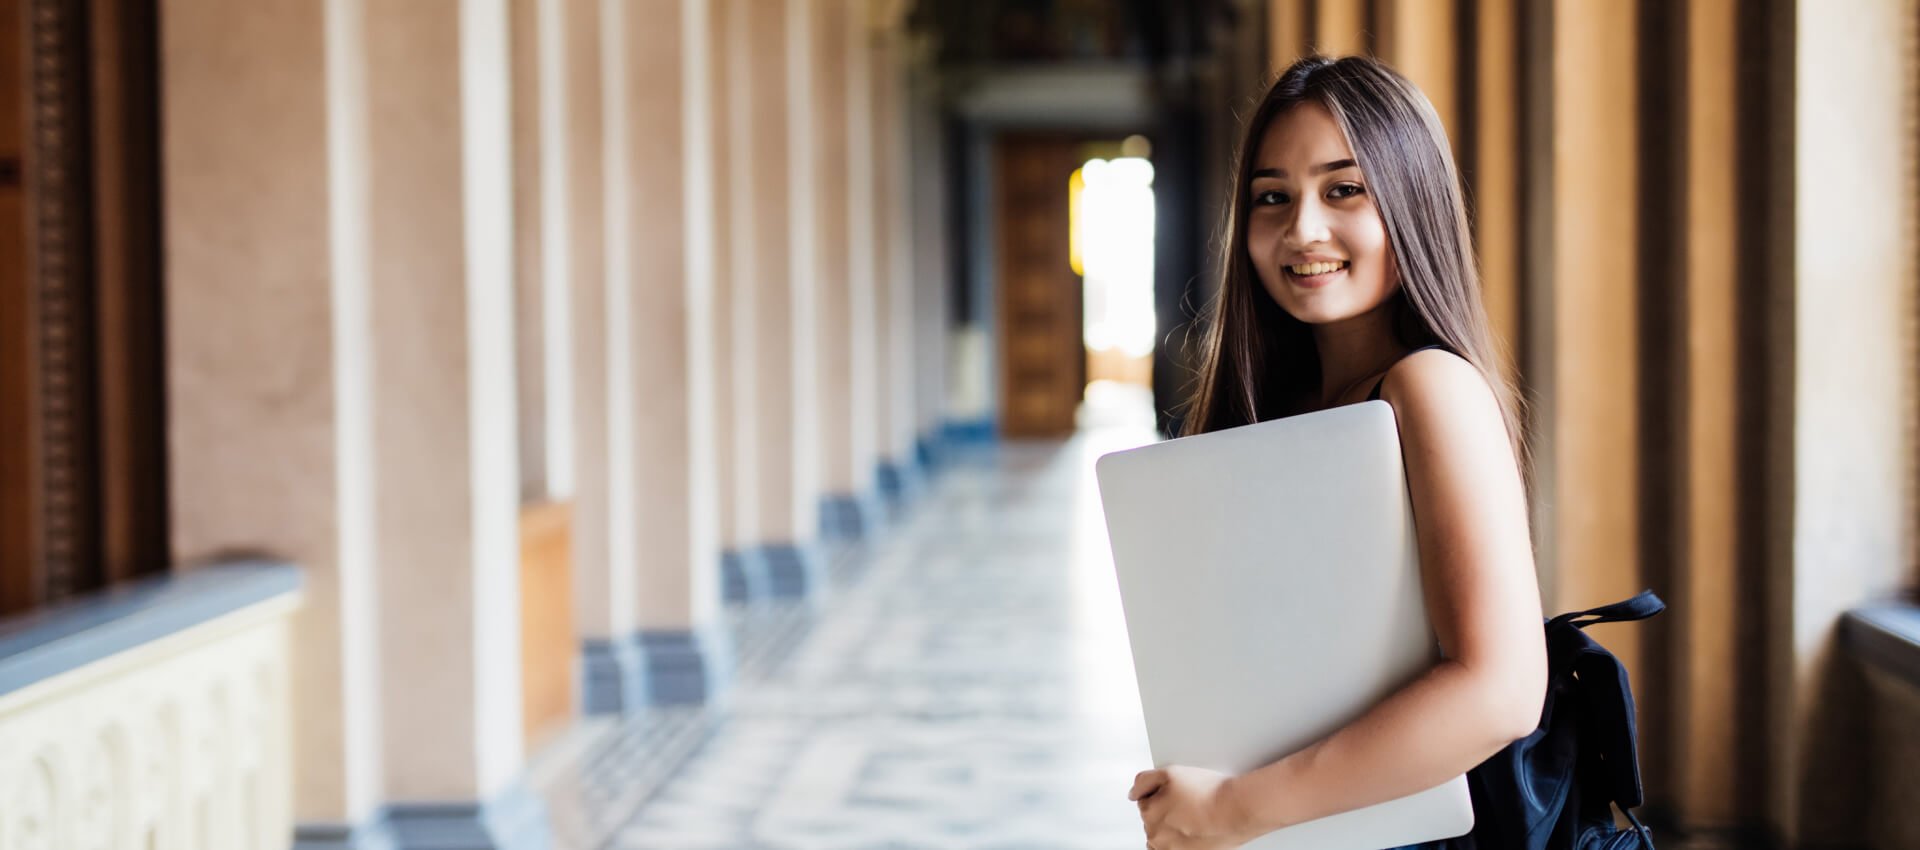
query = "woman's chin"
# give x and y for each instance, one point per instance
(1319, 314)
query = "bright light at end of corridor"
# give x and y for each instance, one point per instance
(1110, 205)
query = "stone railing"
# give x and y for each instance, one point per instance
(154, 716)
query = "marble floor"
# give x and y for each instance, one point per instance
(964, 684)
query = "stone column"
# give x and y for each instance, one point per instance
(932, 266)
(604, 569)
(736, 402)
(268, 381)
(542, 328)
(775, 263)
(900, 472)
(843, 231)
(666, 222)
(439, 234)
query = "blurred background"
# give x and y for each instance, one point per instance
(668, 423)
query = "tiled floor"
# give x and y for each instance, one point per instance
(966, 684)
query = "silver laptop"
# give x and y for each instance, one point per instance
(1270, 579)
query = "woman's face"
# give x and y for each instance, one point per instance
(1313, 233)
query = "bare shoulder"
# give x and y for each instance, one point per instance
(1436, 376)
(1443, 400)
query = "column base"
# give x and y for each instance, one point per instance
(794, 570)
(375, 834)
(743, 575)
(969, 432)
(687, 667)
(613, 677)
(899, 482)
(513, 820)
(850, 516)
(925, 454)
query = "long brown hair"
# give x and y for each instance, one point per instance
(1257, 360)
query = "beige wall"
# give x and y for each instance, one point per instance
(269, 430)
(1851, 453)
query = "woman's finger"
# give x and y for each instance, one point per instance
(1146, 782)
(1152, 810)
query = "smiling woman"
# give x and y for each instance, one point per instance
(1349, 275)
(1343, 163)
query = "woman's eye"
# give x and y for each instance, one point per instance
(1269, 198)
(1346, 190)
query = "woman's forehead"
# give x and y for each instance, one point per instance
(1300, 138)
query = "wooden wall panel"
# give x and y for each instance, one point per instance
(1419, 39)
(1708, 784)
(1287, 34)
(1341, 27)
(1494, 177)
(1591, 402)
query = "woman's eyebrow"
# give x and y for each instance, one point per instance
(1322, 168)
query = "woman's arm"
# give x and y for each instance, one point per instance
(1476, 560)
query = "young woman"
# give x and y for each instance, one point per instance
(1349, 275)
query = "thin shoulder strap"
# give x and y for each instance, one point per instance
(1375, 395)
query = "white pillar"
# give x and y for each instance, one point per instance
(743, 574)
(542, 263)
(842, 148)
(893, 252)
(439, 230)
(775, 263)
(604, 570)
(931, 264)
(667, 154)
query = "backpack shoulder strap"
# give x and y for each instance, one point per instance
(1643, 605)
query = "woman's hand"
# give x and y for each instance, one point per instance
(1189, 808)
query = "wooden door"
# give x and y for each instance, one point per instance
(1039, 310)
(547, 646)
(19, 580)
(83, 498)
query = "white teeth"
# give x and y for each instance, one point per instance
(1316, 268)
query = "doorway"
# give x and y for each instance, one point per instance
(1075, 261)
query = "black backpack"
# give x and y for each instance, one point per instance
(1556, 788)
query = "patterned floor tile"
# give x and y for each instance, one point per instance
(964, 684)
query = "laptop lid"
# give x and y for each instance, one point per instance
(1270, 580)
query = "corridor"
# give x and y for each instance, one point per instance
(966, 685)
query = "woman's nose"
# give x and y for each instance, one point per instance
(1309, 226)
